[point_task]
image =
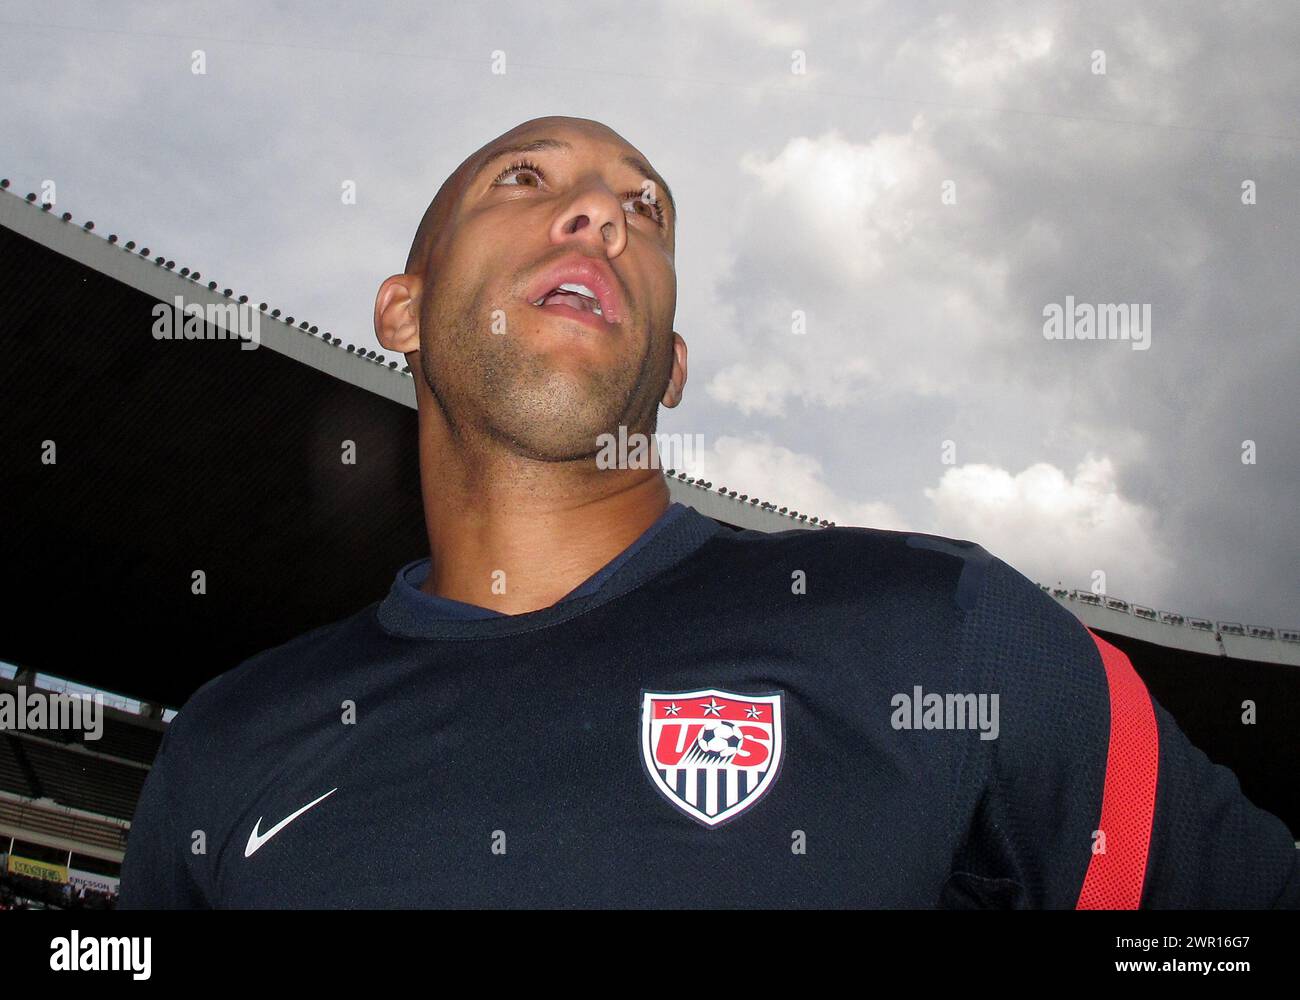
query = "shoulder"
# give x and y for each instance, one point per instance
(259, 694)
(906, 566)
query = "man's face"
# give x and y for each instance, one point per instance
(536, 378)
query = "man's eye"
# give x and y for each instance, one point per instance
(520, 169)
(650, 209)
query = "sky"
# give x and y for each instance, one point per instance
(880, 206)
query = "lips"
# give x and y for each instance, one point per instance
(579, 283)
(573, 295)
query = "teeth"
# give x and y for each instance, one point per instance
(575, 288)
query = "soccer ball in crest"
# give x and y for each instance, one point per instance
(720, 739)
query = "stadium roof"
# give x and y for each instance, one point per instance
(177, 456)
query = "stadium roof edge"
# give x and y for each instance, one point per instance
(1116, 616)
(146, 275)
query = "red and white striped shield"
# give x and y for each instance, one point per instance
(712, 753)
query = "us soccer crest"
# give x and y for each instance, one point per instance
(712, 754)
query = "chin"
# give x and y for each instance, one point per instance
(555, 432)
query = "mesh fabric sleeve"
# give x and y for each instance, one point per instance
(1091, 796)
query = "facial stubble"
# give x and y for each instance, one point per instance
(510, 391)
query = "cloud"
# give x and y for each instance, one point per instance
(989, 60)
(843, 204)
(1052, 526)
(762, 468)
(856, 239)
(1048, 524)
(749, 20)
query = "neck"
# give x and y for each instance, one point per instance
(516, 535)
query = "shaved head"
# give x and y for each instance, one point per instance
(434, 229)
(435, 218)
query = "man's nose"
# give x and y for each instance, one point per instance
(594, 217)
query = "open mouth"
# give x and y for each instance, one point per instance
(575, 296)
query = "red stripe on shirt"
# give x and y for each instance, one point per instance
(1115, 878)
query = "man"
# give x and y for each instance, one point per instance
(590, 697)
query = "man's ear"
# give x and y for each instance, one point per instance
(397, 313)
(677, 380)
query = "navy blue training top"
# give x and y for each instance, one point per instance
(842, 717)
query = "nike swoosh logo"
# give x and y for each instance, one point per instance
(256, 839)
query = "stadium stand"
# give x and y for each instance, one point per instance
(66, 803)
